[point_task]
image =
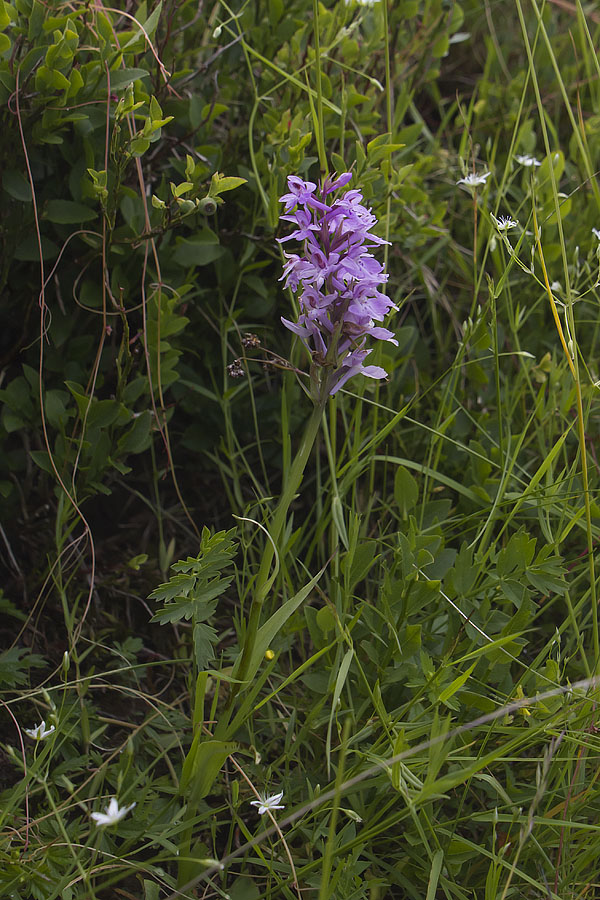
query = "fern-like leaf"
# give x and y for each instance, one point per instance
(194, 588)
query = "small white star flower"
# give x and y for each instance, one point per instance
(504, 223)
(528, 161)
(556, 287)
(266, 803)
(209, 863)
(114, 813)
(40, 731)
(473, 180)
(596, 233)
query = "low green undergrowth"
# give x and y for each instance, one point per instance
(283, 644)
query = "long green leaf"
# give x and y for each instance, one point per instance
(273, 625)
(340, 681)
(434, 875)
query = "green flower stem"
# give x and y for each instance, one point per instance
(320, 130)
(264, 579)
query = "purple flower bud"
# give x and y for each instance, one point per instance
(336, 276)
(333, 184)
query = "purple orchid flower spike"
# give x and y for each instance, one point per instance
(337, 279)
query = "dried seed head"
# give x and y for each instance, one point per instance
(236, 369)
(250, 340)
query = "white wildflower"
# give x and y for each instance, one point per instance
(114, 813)
(268, 803)
(210, 863)
(362, 2)
(556, 287)
(596, 233)
(504, 223)
(528, 161)
(472, 180)
(40, 731)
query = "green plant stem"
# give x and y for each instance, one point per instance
(388, 208)
(264, 579)
(321, 134)
(324, 889)
(390, 127)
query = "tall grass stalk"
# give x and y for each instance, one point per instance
(265, 577)
(571, 351)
